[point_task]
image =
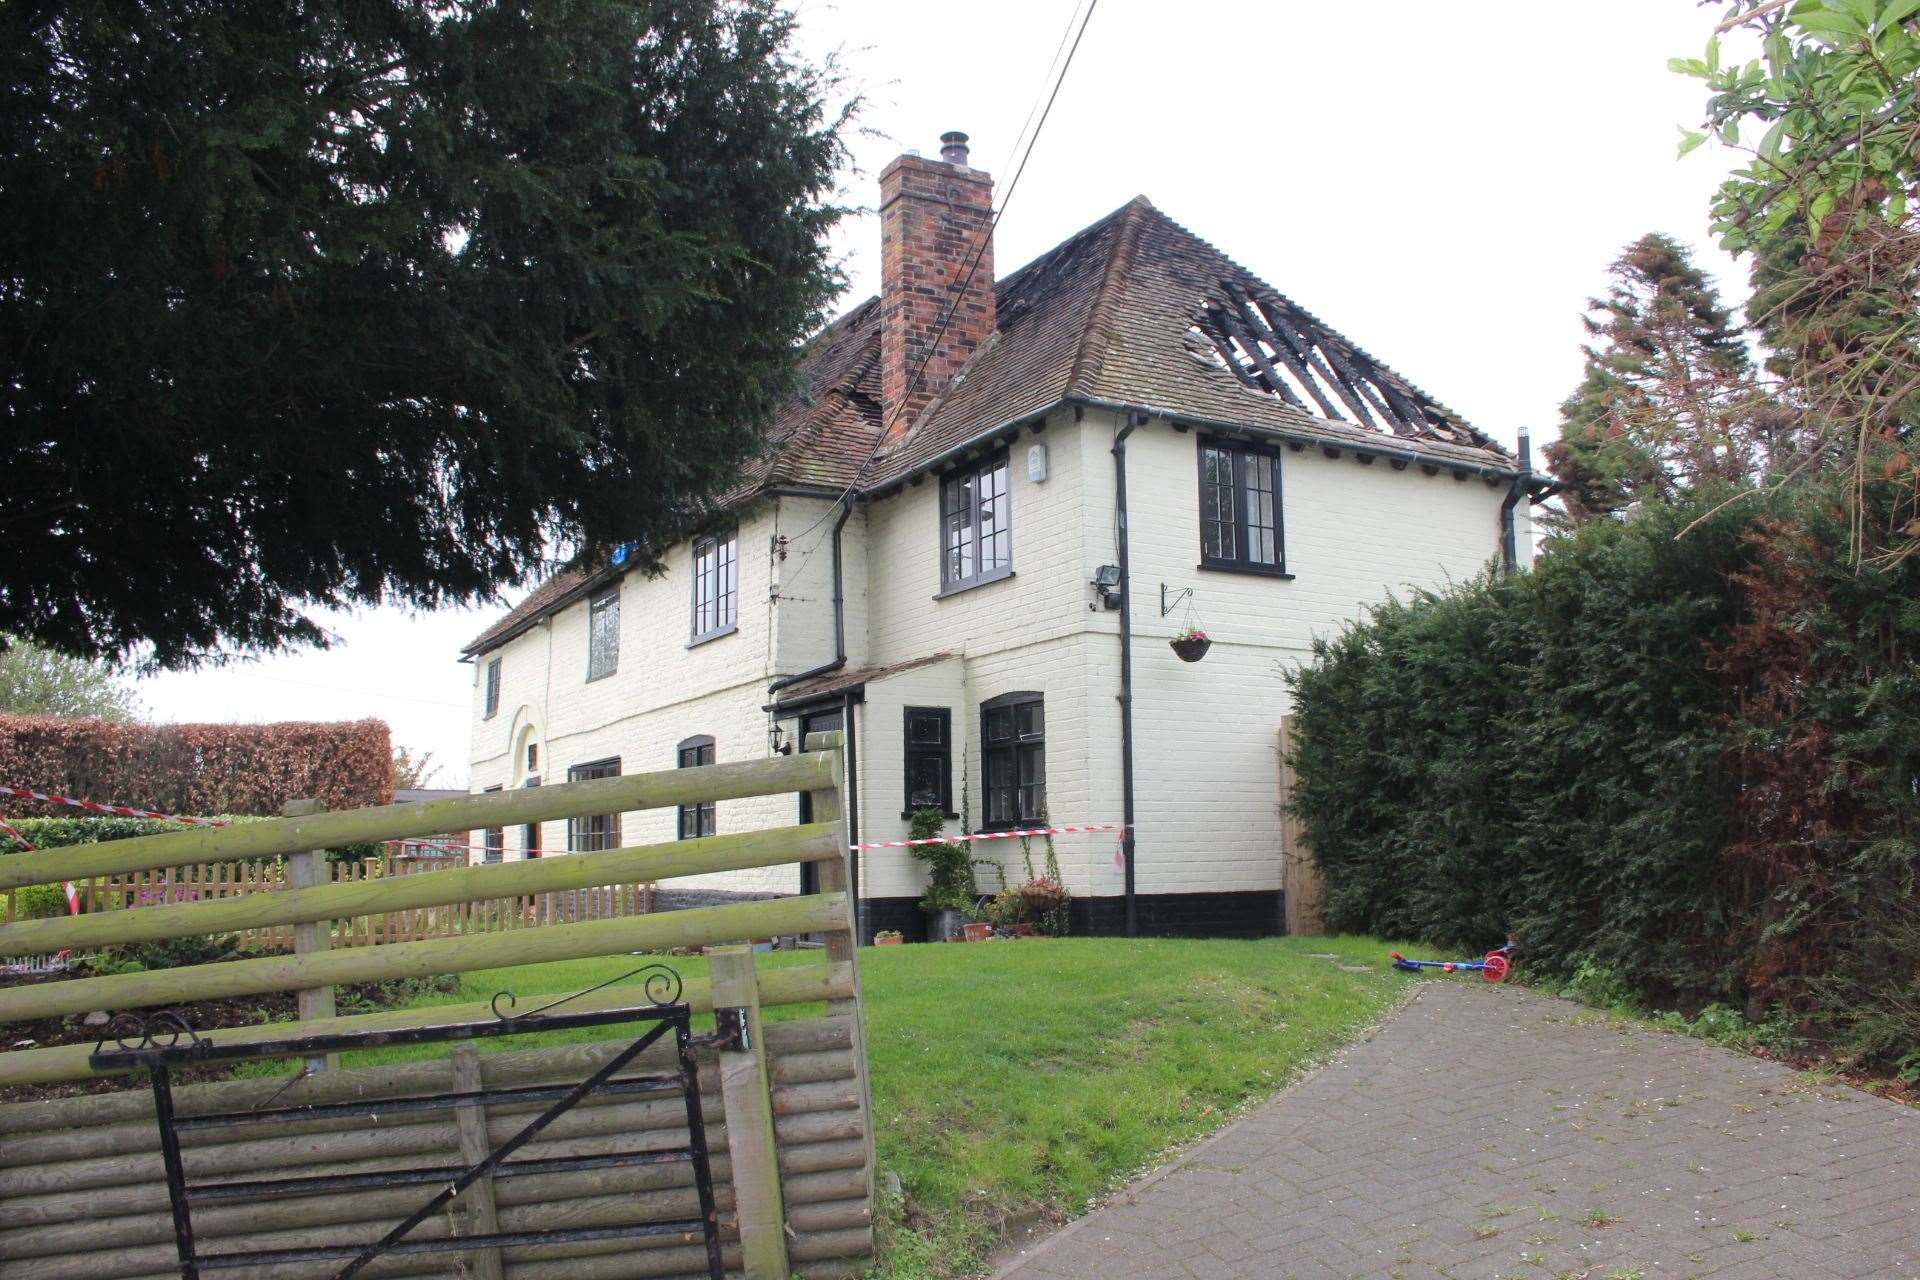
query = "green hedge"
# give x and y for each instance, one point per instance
(1587, 756)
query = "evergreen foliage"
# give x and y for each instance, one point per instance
(335, 304)
(37, 681)
(1668, 401)
(1632, 759)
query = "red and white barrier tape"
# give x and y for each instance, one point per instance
(117, 810)
(995, 835)
(73, 894)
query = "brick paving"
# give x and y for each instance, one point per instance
(1492, 1132)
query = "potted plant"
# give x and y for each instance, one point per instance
(1191, 645)
(951, 895)
(889, 938)
(976, 931)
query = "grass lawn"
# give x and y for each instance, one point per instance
(1022, 1080)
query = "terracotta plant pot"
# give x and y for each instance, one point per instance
(977, 930)
(1191, 650)
(894, 941)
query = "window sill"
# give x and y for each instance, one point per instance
(604, 675)
(728, 630)
(1252, 570)
(998, 575)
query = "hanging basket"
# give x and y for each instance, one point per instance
(1191, 648)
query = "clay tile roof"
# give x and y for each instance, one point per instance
(849, 678)
(1133, 311)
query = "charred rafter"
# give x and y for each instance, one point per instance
(1271, 345)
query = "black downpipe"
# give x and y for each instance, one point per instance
(1522, 483)
(1126, 666)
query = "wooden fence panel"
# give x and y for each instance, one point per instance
(80, 1193)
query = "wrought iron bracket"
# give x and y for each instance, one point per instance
(733, 1031)
(1168, 606)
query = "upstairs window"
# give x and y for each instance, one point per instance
(1013, 760)
(1240, 524)
(716, 585)
(493, 690)
(929, 738)
(976, 525)
(696, 819)
(603, 635)
(601, 831)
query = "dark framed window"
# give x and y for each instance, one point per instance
(1013, 760)
(716, 585)
(603, 634)
(1240, 521)
(601, 831)
(493, 841)
(533, 757)
(976, 525)
(493, 690)
(530, 833)
(929, 747)
(695, 819)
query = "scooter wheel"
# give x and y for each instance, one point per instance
(1496, 968)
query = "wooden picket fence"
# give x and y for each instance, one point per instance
(217, 881)
(787, 1109)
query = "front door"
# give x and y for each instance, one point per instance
(815, 722)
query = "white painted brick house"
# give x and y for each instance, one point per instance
(918, 561)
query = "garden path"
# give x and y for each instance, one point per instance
(1490, 1132)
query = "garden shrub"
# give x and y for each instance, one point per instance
(36, 902)
(61, 833)
(1685, 762)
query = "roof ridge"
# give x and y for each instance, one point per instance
(1119, 263)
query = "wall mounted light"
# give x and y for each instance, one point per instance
(1106, 581)
(777, 743)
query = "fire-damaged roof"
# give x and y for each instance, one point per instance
(1135, 312)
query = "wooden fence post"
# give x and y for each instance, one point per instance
(483, 1217)
(829, 805)
(1299, 876)
(744, 1085)
(305, 870)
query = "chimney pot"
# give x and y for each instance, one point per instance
(953, 148)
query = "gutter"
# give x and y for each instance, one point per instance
(1126, 664)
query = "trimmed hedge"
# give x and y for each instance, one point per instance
(197, 768)
(1691, 761)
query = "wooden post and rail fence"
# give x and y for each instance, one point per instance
(786, 1109)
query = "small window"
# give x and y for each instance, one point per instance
(1013, 760)
(530, 833)
(533, 757)
(976, 525)
(493, 841)
(601, 831)
(696, 819)
(493, 690)
(716, 585)
(1240, 522)
(603, 635)
(929, 746)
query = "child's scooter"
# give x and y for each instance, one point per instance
(1492, 968)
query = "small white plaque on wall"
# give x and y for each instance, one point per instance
(1037, 463)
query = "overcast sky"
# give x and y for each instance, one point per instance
(1444, 184)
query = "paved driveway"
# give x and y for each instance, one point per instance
(1491, 1132)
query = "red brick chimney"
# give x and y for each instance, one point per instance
(935, 215)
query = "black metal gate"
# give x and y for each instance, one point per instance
(163, 1041)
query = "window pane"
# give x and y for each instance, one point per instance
(1261, 542)
(1217, 533)
(603, 636)
(927, 728)
(1032, 719)
(924, 781)
(999, 724)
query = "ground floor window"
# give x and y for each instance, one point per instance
(1013, 760)
(929, 759)
(601, 831)
(493, 841)
(696, 819)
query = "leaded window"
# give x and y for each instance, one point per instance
(603, 635)
(601, 830)
(976, 525)
(1013, 760)
(716, 585)
(1240, 521)
(696, 819)
(493, 840)
(493, 690)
